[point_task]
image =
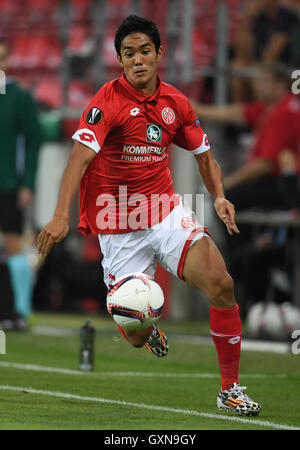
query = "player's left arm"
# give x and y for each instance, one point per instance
(212, 176)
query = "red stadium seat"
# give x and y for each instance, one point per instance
(80, 39)
(118, 10)
(49, 92)
(80, 10)
(42, 6)
(54, 55)
(79, 94)
(112, 67)
(9, 9)
(33, 51)
(20, 51)
(109, 52)
(202, 50)
(156, 10)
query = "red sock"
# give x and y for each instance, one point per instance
(122, 332)
(226, 330)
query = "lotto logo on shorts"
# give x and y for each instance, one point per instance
(188, 222)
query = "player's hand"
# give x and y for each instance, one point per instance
(52, 233)
(226, 212)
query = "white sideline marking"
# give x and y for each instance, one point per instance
(37, 368)
(263, 423)
(46, 330)
(246, 344)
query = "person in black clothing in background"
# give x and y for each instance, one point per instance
(18, 117)
(268, 32)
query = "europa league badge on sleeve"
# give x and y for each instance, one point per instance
(94, 116)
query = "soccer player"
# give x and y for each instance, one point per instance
(119, 159)
(18, 117)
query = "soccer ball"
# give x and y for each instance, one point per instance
(272, 321)
(135, 301)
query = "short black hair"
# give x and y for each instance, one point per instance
(137, 24)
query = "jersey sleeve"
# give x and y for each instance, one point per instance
(95, 122)
(190, 135)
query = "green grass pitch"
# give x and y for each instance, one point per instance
(130, 389)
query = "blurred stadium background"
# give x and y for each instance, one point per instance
(63, 51)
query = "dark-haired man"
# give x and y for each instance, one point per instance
(120, 161)
(18, 117)
(274, 117)
(267, 32)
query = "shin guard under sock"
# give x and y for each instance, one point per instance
(226, 330)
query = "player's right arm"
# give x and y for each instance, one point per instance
(232, 113)
(57, 229)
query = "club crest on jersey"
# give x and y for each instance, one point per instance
(153, 132)
(188, 222)
(94, 116)
(168, 115)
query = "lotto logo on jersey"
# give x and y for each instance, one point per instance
(134, 111)
(87, 137)
(153, 132)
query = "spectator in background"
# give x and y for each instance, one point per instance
(268, 179)
(18, 116)
(270, 250)
(269, 31)
(275, 119)
(289, 179)
(293, 5)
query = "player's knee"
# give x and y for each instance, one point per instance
(137, 341)
(221, 290)
(138, 344)
(136, 338)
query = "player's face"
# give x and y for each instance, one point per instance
(139, 60)
(3, 57)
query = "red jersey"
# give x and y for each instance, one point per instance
(276, 128)
(131, 133)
